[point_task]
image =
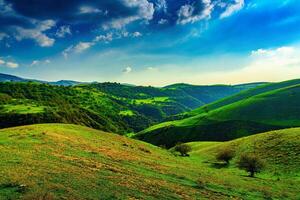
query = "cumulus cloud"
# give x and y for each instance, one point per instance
(127, 70)
(63, 31)
(104, 38)
(37, 33)
(145, 11)
(232, 8)
(161, 5)
(189, 14)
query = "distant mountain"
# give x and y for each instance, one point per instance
(65, 83)
(12, 78)
(267, 107)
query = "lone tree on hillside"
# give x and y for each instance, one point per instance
(225, 155)
(183, 149)
(250, 163)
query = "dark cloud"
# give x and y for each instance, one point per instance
(70, 11)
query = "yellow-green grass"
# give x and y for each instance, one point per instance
(279, 149)
(54, 161)
(126, 113)
(153, 100)
(22, 109)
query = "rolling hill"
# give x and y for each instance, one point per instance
(280, 149)
(106, 106)
(73, 162)
(253, 111)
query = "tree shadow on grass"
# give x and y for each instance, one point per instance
(219, 165)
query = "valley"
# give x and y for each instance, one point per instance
(115, 141)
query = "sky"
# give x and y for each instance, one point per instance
(151, 42)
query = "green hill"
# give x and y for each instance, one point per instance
(106, 106)
(246, 93)
(280, 149)
(275, 109)
(57, 161)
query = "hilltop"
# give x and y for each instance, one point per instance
(73, 162)
(270, 107)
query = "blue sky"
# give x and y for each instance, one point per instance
(151, 42)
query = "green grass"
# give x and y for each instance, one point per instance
(154, 100)
(22, 109)
(271, 110)
(57, 161)
(126, 113)
(280, 149)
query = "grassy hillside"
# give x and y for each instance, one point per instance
(246, 93)
(57, 161)
(271, 110)
(106, 106)
(280, 149)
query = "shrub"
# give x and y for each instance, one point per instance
(225, 155)
(183, 149)
(250, 163)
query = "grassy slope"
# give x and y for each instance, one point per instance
(280, 149)
(267, 111)
(240, 96)
(71, 162)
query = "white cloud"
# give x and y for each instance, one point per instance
(89, 10)
(186, 14)
(163, 21)
(63, 31)
(37, 33)
(136, 34)
(152, 68)
(104, 38)
(38, 62)
(145, 11)
(2, 62)
(232, 8)
(82, 46)
(9, 64)
(79, 48)
(12, 65)
(127, 70)
(277, 64)
(161, 5)
(47, 61)
(35, 62)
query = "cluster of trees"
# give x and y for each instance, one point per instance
(94, 105)
(249, 162)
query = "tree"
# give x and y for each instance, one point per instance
(225, 155)
(183, 149)
(250, 163)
